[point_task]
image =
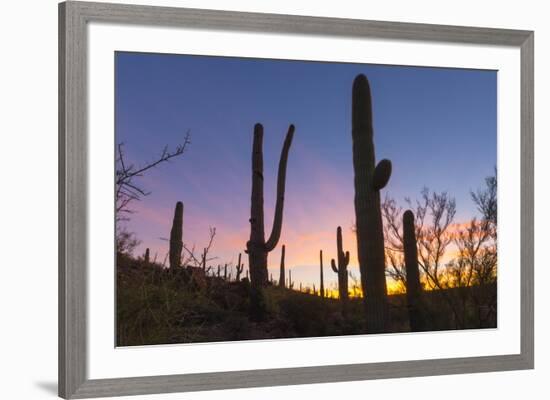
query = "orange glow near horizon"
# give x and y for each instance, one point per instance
(303, 243)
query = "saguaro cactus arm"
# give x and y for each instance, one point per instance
(381, 175)
(333, 265)
(346, 259)
(281, 181)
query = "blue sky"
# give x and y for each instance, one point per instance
(436, 125)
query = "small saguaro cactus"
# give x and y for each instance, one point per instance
(146, 256)
(219, 269)
(342, 268)
(239, 268)
(370, 178)
(257, 246)
(225, 272)
(290, 283)
(322, 288)
(417, 321)
(282, 272)
(176, 243)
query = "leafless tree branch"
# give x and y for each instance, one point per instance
(127, 190)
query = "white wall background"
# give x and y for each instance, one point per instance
(28, 200)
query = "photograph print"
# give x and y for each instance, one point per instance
(268, 199)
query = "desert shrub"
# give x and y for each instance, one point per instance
(304, 313)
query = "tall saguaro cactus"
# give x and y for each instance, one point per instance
(417, 321)
(282, 272)
(322, 288)
(342, 268)
(257, 246)
(370, 178)
(176, 233)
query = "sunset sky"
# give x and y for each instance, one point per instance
(436, 125)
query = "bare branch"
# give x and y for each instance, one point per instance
(127, 190)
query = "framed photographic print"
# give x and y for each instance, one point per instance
(300, 199)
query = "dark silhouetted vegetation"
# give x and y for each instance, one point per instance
(156, 305)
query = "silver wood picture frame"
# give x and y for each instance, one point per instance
(73, 201)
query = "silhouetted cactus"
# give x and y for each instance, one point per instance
(257, 246)
(282, 271)
(341, 269)
(176, 243)
(417, 320)
(290, 283)
(240, 268)
(219, 271)
(369, 180)
(225, 272)
(146, 256)
(322, 289)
